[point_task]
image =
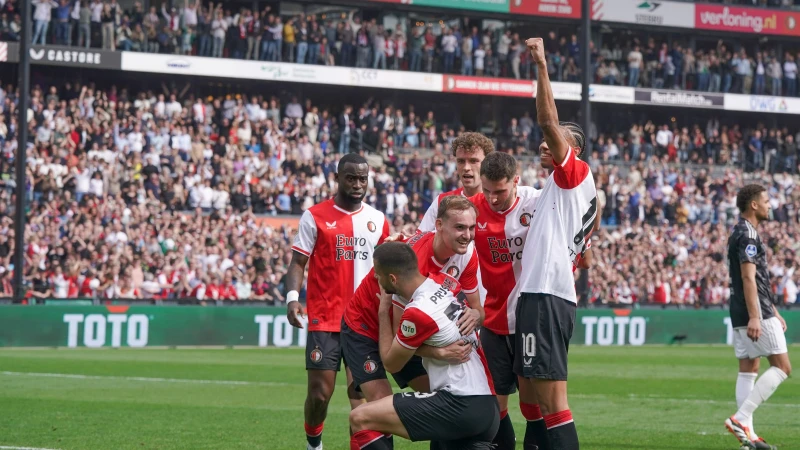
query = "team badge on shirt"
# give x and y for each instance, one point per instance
(453, 271)
(525, 219)
(316, 355)
(370, 366)
(750, 250)
(371, 226)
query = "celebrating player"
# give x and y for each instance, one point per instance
(461, 411)
(758, 328)
(338, 237)
(450, 250)
(470, 149)
(504, 215)
(560, 228)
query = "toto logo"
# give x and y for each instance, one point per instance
(358, 76)
(178, 64)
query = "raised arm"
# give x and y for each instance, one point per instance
(546, 113)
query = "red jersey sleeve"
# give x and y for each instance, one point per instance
(571, 172)
(306, 234)
(415, 328)
(469, 279)
(385, 232)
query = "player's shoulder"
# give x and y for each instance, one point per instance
(526, 192)
(433, 291)
(443, 195)
(420, 238)
(371, 210)
(322, 208)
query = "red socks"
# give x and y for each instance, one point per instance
(314, 434)
(530, 411)
(558, 419)
(364, 438)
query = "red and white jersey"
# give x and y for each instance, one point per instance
(361, 314)
(428, 222)
(339, 245)
(430, 318)
(499, 240)
(560, 230)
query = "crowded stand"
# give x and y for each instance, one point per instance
(145, 195)
(461, 45)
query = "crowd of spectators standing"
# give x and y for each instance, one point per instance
(212, 29)
(154, 195)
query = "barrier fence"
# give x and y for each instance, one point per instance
(147, 326)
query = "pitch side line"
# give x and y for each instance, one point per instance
(144, 379)
(23, 448)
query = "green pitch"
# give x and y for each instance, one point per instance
(647, 398)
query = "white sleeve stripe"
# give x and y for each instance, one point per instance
(404, 344)
(300, 250)
(566, 158)
(470, 291)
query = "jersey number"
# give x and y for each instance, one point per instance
(528, 345)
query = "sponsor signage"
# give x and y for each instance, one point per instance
(287, 72)
(149, 326)
(489, 86)
(610, 94)
(474, 5)
(643, 12)
(667, 97)
(75, 57)
(746, 20)
(567, 9)
(760, 103)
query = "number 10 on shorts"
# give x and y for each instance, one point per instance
(528, 347)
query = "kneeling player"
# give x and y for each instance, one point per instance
(461, 412)
(450, 250)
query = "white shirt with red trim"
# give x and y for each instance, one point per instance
(499, 240)
(339, 245)
(463, 268)
(560, 230)
(428, 222)
(430, 318)
(361, 313)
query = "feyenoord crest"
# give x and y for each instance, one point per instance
(371, 226)
(370, 366)
(316, 355)
(525, 219)
(453, 271)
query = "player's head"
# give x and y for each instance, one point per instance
(470, 149)
(499, 180)
(352, 176)
(455, 223)
(754, 199)
(575, 138)
(394, 261)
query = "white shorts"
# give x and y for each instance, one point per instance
(771, 342)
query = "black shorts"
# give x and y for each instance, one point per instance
(544, 328)
(456, 422)
(323, 351)
(499, 351)
(364, 359)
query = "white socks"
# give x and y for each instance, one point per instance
(763, 389)
(744, 385)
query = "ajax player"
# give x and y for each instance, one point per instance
(451, 251)
(504, 215)
(561, 226)
(758, 328)
(469, 149)
(461, 411)
(336, 239)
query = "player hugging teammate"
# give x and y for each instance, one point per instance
(418, 313)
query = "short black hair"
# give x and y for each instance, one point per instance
(499, 166)
(747, 195)
(396, 258)
(353, 158)
(577, 134)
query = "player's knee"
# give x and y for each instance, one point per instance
(786, 367)
(359, 418)
(319, 395)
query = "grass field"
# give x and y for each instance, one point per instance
(647, 398)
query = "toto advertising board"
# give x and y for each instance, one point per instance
(158, 326)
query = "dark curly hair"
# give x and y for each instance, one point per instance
(747, 195)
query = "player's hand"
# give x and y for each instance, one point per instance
(468, 321)
(398, 237)
(456, 353)
(754, 329)
(294, 310)
(385, 302)
(783, 322)
(536, 46)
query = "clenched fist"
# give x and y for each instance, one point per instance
(536, 46)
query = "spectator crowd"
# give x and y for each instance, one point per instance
(164, 195)
(212, 29)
